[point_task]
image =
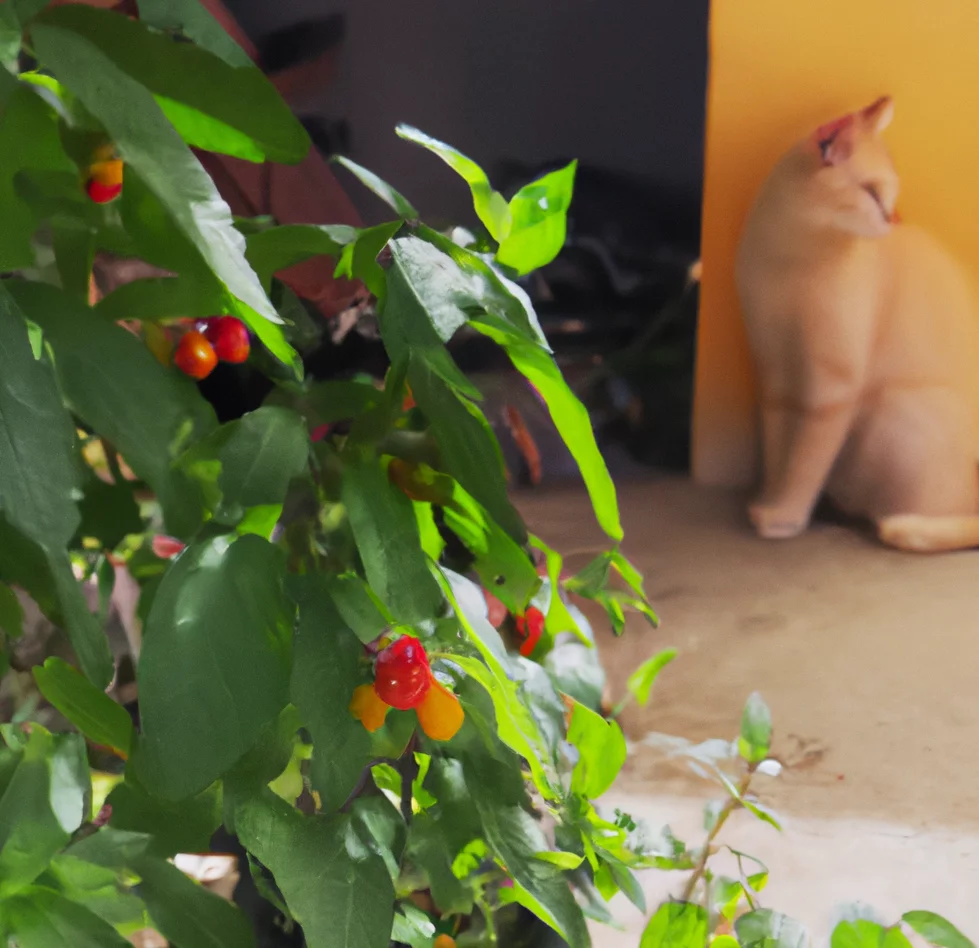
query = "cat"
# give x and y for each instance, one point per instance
(865, 340)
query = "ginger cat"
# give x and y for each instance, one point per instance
(866, 344)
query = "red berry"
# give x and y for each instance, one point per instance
(530, 626)
(402, 675)
(229, 336)
(195, 356)
(102, 193)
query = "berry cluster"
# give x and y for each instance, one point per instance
(224, 339)
(403, 679)
(103, 181)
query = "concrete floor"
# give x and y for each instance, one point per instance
(869, 659)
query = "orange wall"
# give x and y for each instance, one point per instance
(779, 68)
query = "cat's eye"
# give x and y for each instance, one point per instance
(872, 191)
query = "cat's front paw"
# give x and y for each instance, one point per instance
(776, 523)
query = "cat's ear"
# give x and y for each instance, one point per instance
(834, 140)
(877, 117)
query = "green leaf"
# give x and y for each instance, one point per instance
(38, 482)
(601, 748)
(478, 285)
(43, 804)
(429, 849)
(184, 827)
(501, 564)
(74, 250)
(257, 456)
(858, 933)
(394, 199)
(412, 927)
(571, 419)
(28, 140)
(937, 930)
(324, 403)
(194, 20)
(90, 709)
(153, 150)
(756, 730)
(358, 260)
(764, 928)
(186, 913)
(539, 214)
(98, 889)
(335, 887)
(11, 613)
(275, 249)
(560, 859)
(40, 918)
(162, 298)
(38, 471)
(386, 531)
(640, 682)
(467, 446)
(358, 606)
(516, 838)
(325, 672)
(213, 105)
(491, 207)
(676, 925)
(215, 662)
(113, 382)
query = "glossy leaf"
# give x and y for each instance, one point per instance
(394, 199)
(194, 20)
(491, 207)
(257, 456)
(467, 447)
(358, 259)
(42, 805)
(217, 646)
(214, 106)
(601, 749)
(572, 421)
(38, 481)
(577, 671)
(40, 918)
(676, 925)
(515, 837)
(386, 532)
(502, 565)
(325, 672)
(28, 140)
(113, 382)
(162, 298)
(358, 606)
(539, 215)
(152, 150)
(640, 682)
(90, 709)
(764, 928)
(478, 285)
(184, 827)
(335, 887)
(936, 929)
(186, 913)
(275, 249)
(755, 740)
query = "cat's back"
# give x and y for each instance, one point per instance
(929, 320)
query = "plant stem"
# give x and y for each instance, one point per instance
(729, 807)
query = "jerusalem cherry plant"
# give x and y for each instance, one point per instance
(349, 651)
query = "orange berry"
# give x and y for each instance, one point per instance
(195, 356)
(440, 714)
(368, 708)
(444, 941)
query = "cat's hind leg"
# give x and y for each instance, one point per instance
(919, 533)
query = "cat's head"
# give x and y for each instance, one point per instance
(852, 184)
